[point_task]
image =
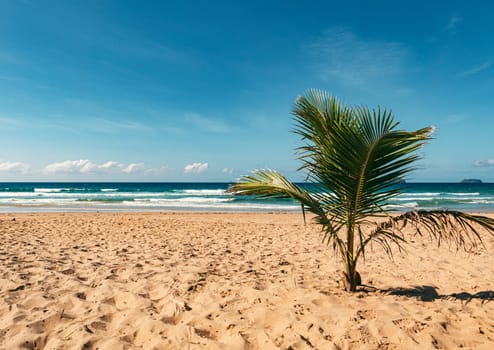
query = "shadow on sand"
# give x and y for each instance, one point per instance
(429, 293)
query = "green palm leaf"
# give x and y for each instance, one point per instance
(270, 183)
(357, 159)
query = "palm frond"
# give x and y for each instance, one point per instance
(272, 184)
(380, 158)
(462, 229)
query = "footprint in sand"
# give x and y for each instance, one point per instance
(410, 326)
(68, 271)
(36, 344)
(366, 314)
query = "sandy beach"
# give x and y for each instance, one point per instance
(228, 281)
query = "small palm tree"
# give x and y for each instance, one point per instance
(356, 160)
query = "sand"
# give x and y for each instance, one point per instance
(228, 281)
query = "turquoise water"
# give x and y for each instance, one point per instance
(16, 197)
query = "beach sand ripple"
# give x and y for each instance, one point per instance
(228, 281)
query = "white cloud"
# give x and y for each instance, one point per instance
(340, 55)
(133, 167)
(197, 168)
(82, 166)
(484, 163)
(111, 165)
(227, 171)
(85, 166)
(14, 167)
(477, 69)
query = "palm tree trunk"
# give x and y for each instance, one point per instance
(351, 278)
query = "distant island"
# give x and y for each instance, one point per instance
(471, 181)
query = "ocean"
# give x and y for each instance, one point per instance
(42, 196)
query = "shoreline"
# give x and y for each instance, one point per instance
(228, 281)
(196, 211)
(198, 197)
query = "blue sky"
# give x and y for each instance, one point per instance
(203, 90)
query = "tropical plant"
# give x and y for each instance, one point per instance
(356, 160)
